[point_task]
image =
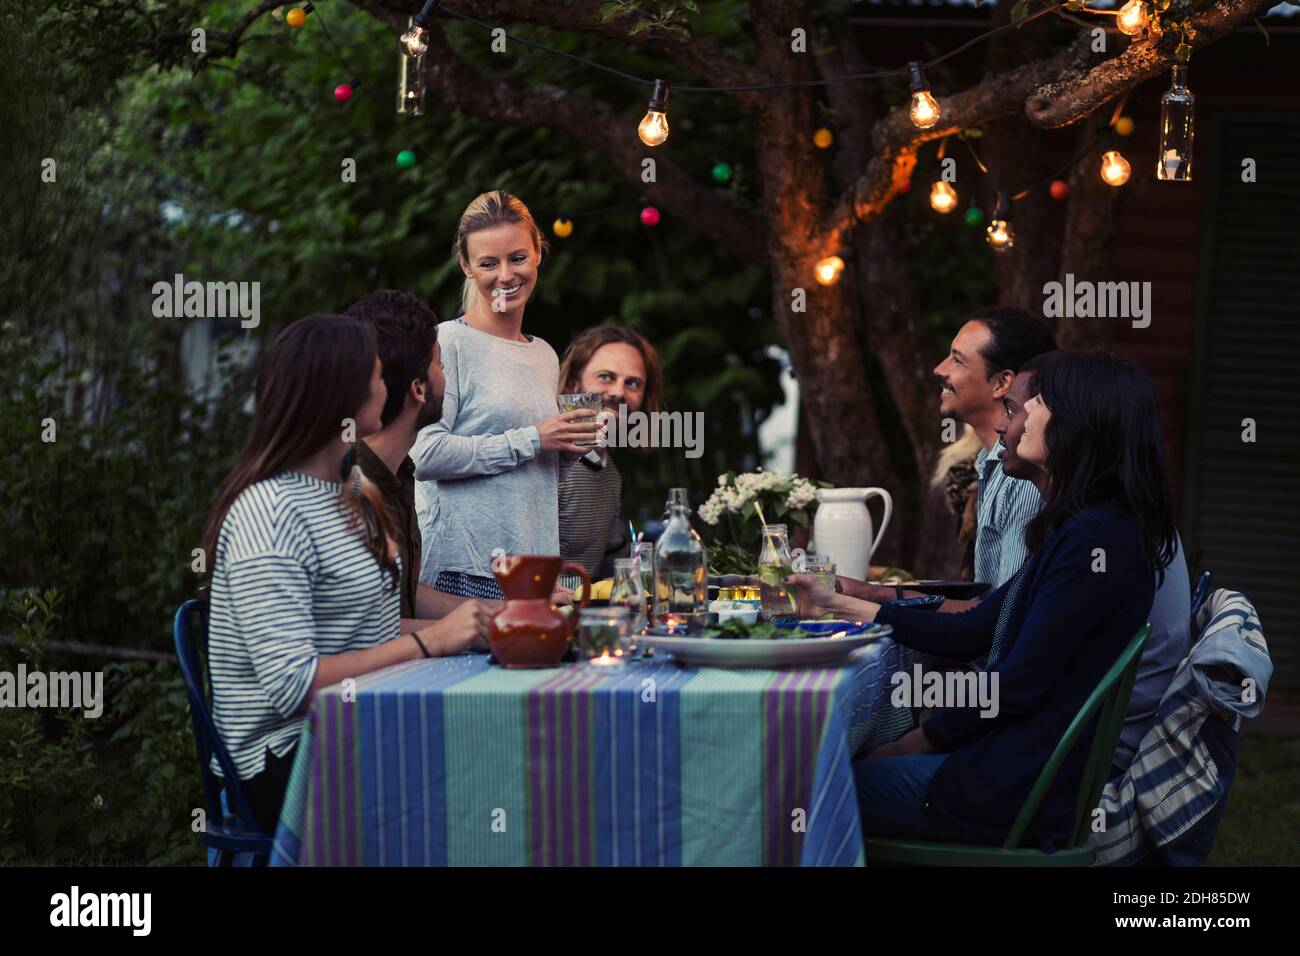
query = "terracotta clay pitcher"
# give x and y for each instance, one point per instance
(529, 631)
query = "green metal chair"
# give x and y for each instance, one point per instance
(1111, 699)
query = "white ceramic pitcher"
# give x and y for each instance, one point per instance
(842, 528)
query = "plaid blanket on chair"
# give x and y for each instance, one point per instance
(1173, 782)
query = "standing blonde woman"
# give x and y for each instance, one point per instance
(488, 472)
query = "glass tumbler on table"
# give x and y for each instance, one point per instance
(605, 636)
(628, 592)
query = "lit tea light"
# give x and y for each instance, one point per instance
(606, 660)
(675, 624)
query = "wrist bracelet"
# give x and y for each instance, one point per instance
(423, 650)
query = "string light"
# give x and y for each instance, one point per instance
(343, 92)
(298, 16)
(974, 216)
(943, 198)
(828, 270)
(721, 172)
(1124, 126)
(1059, 189)
(1174, 159)
(562, 228)
(406, 159)
(924, 109)
(823, 138)
(1114, 168)
(654, 125)
(415, 41)
(999, 233)
(650, 217)
(1132, 18)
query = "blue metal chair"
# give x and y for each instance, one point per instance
(1201, 592)
(233, 838)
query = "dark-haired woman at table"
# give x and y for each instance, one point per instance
(1097, 549)
(305, 575)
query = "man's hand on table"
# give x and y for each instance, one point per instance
(864, 591)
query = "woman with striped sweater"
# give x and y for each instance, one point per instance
(305, 576)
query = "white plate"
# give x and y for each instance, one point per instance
(778, 652)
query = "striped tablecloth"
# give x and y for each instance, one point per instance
(457, 762)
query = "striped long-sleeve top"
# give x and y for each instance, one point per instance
(1004, 507)
(290, 582)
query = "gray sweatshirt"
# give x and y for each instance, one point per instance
(482, 480)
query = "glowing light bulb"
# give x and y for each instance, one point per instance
(829, 269)
(943, 198)
(924, 109)
(562, 228)
(999, 234)
(653, 129)
(823, 138)
(414, 41)
(1114, 168)
(1132, 18)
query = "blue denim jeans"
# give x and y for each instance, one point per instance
(891, 798)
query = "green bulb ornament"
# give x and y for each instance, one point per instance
(722, 173)
(974, 216)
(406, 159)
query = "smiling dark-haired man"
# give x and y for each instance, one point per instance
(974, 380)
(407, 333)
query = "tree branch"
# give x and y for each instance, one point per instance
(599, 128)
(702, 57)
(896, 139)
(1072, 96)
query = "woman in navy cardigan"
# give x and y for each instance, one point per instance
(1047, 636)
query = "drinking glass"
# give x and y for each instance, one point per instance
(605, 635)
(821, 567)
(628, 592)
(571, 401)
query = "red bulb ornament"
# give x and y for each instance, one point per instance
(649, 216)
(343, 92)
(1059, 189)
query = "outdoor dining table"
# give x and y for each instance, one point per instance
(457, 761)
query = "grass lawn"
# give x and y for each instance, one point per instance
(1261, 826)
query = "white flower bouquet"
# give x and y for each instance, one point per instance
(785, 499)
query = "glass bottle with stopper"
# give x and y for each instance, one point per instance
(680, 587)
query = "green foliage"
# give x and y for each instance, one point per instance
(108, 790)
(111, 509)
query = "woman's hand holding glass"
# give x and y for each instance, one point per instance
(562, 432)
